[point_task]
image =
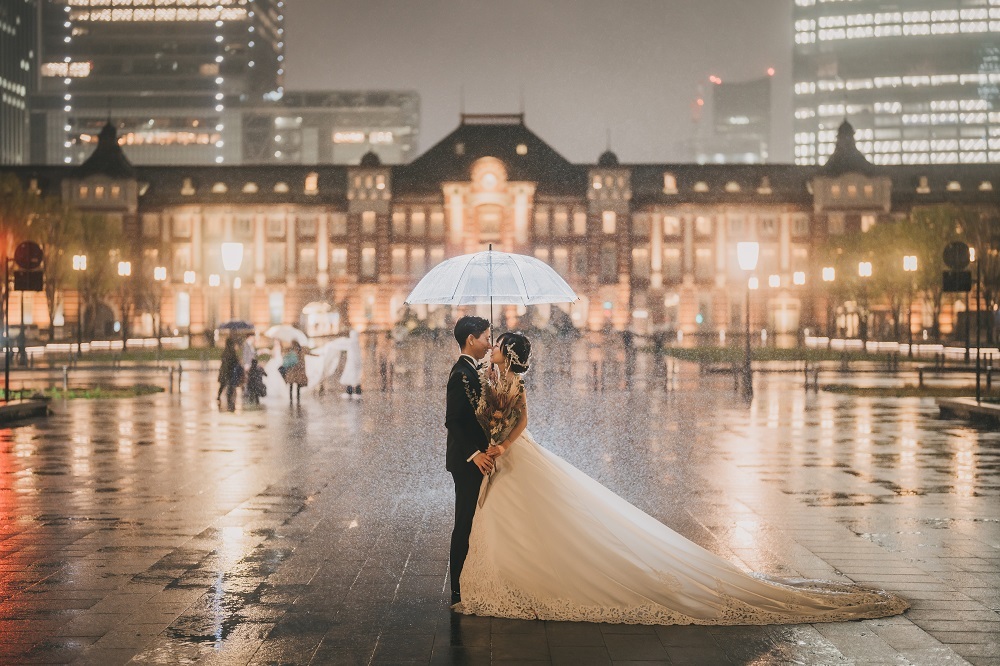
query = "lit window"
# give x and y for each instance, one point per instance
(521, 149)
(867, 222)
(312, 183)
(701, 186)
(609, 220)
(669, 183)
(732, 186)
(368, 262)
(219, 188)
(250, 188)
(368, 222)
(281, 187)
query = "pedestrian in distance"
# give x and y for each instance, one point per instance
(255, 388)
(293, 370)
(230, 372)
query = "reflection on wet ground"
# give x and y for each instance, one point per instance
(162, 530)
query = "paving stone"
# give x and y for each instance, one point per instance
(279, 535)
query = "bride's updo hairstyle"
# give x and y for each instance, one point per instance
(517, 348)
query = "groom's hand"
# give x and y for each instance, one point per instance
(484, 463)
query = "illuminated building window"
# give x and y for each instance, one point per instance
(703, 225)
(399, 260)
(338, 261)
(580, 223)
(312, 183)
(381, 137)
(560, 222)
(671, 226)
(352, 136)
(560, 260)
(66, 70)
(732, 186)
(306, 226)
(275, 227)
(368, 262)
(954, 186)
(368, 223)
(521, 149)
(704, 267)
(542, 222)
(250, 188)
(609, 263)
(281, 187)
(669, 183)
(800, 225)
(609, 220)
(399, 223)
(307, 262)
(418, 261)
(701, 186)
(219, 188)
(867, 222)
(338, 224)
(99, 192)
(672, 263)
(437, 224)
(418, 223)
(84, 191)
(274, 265)
(542, 254)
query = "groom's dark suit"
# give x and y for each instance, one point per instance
(465, 437)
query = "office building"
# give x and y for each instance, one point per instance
(18, 72)
(172, 73)
(919, 80)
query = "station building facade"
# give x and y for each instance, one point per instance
(648, 247)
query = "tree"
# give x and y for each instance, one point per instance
(928, 230)
(100, 240)
(17, 207)
(56, 228)
(983, 234)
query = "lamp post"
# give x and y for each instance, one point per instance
(864, 272)
(747, 253)
(79, 265)
(232, 259)
(909, 266)
(159, 276)
(124, 272)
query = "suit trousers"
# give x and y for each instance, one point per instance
(468, 480)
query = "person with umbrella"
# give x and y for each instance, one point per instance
(293, 370)
(230, 372)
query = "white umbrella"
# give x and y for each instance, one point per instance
(286, 333)
(492, 277)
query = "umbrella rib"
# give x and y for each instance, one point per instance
(523, 281)
(458, 282)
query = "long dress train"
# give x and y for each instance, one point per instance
(551, 543)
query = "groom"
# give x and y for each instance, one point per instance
(466, 457)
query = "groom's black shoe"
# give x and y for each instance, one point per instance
(456, 597)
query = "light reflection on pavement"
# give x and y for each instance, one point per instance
(164, 529)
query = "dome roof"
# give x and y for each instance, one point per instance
(607, 160)
(370, 160)
(108, 159)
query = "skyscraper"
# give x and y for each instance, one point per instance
(918, 79)
(741, 123)
(171, 73)
(18, 48)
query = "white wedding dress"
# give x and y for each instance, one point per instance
(548, 542)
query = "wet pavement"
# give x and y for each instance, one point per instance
(163, 530)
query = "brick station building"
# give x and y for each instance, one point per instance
(651, 247)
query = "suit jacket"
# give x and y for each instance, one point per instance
(465, 435)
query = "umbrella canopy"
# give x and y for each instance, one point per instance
(286, 333)
(238, 326)
(492, 277)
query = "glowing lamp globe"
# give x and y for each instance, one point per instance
(747, 253)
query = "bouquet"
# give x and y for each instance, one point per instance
(497, 408)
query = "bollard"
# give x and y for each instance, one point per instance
(816, 380)
(180, 375)
(65, 379)
(171, 380)
(920, 377)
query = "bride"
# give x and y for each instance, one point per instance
(550, 543)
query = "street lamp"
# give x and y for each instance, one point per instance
(124, 271)
(232, 259)
(910, 266)
(189, 277)
(747, 253)
(160, 276)
(79, 265)
(864, 271)
(829, 275)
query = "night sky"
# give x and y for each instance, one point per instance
(584, 65)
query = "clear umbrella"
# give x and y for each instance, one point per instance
(492, 277)
(288, 334)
